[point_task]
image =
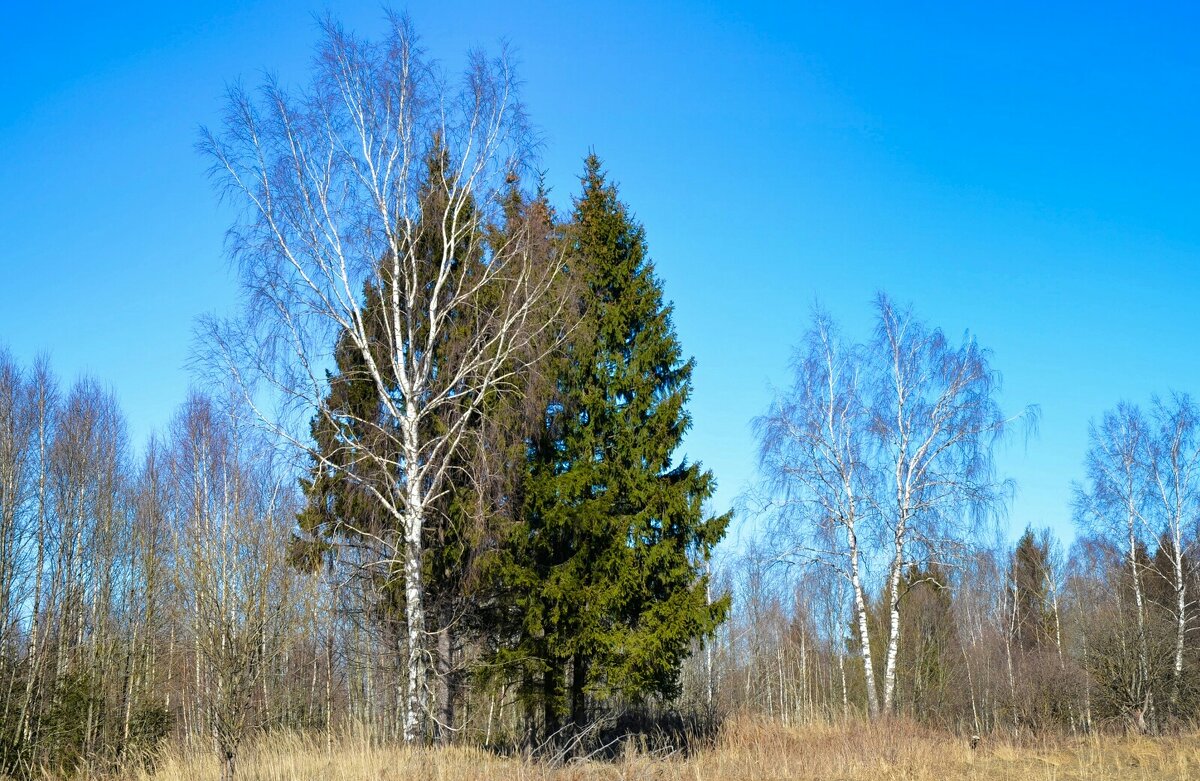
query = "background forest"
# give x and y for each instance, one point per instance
(431, 487)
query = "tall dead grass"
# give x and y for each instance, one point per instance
(747, 748)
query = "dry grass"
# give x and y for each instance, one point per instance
(747, 749)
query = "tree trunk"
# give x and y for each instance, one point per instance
(329, 687)
(550, 684)
(1008, 655)
(845, 691)
(579, 675)
(1181, 617)
(889, 674)
(864, 632)
(1140, 603)
(446, 683)
(708, 642)
(1058, 645)
(414, 596)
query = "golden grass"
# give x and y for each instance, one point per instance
(747, 749)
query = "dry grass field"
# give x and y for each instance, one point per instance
(747, 749)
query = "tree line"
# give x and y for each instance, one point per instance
(431, 486)
(883, 584)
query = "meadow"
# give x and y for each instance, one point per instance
(747, 748)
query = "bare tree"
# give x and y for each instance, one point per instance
(232, 516)
(1174, 464)
(44, 413)
(146, 591)
(331, 177)
(17, 459)
(1114, 504)
(813, 453)
(888, 440)
(936, 417)
(84, 526)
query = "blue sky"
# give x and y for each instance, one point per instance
(1025, 172)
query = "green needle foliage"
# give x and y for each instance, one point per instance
(604, 571)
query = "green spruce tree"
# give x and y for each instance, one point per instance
(1032, 624)
(604, 569)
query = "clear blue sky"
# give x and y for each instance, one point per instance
(1029, 173)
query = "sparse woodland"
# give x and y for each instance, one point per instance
(431, 489)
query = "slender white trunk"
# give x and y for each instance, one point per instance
(414, 594)
(1087, 686)
(329, 688)
(1139, 603)
(971, 691)
(804, 693)
(864, 631)
(130, 676)
(1057, 622)
(1181, 613)
(1008, 655)
(889, 674)
(845, 693)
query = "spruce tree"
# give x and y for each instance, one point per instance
(605, 568)
(1029, 588)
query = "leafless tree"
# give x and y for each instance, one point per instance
(82, 526)
(937, 419)
(232, 516)
(1174, 462)
(141, 711)
(813, 453)
(43, 410)
(17, 460)
(1114, 504)
(890, 440)
(331, 179)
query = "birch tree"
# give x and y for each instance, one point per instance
(890, 440)
(1113, 503)
(330, 177)
(44, 412)
(232, 511)
(936, 418)
(1175, 481)
(17, 436)
(87, 480)
(813, 449)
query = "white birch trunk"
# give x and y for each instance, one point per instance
(893, 648)
(864, 631)
(1181, 614)
(1139, 603)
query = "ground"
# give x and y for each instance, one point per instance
(747, 749)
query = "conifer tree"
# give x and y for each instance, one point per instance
(1029, 585)
(604, 569)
